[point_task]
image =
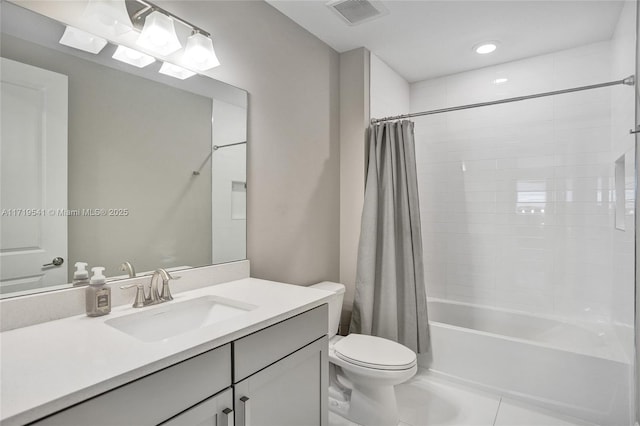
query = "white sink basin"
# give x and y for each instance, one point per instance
(173, 318)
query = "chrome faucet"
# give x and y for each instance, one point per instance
(129, 269)
(154, 297)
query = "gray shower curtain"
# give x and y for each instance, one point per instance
(390, 299)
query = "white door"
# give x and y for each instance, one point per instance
(33, 177)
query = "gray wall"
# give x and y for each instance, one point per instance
(354, 119)
(133, 143)
(293, 160)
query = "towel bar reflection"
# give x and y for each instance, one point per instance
(217, 147)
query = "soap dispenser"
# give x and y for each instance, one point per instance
(81, 275)
(98, 294)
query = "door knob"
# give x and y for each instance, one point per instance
(57, 261)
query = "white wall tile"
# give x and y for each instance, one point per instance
(517, 199)
(623, 119)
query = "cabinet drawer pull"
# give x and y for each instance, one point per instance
(227, 414)
(246, 410)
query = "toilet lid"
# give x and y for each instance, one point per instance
(374, 352)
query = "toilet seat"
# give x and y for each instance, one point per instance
(374, 352)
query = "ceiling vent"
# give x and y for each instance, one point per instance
(356, 12)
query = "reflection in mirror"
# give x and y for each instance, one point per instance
(129, 174)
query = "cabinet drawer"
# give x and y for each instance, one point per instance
(154, 398)
(262, 348)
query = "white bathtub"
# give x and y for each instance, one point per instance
(576, 369)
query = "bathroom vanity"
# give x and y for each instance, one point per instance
(267, 365)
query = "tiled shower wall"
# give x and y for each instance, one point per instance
(623, 144)
(517, 200)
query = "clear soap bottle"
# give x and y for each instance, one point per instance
(98, 294)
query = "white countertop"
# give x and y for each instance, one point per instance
(53, 365)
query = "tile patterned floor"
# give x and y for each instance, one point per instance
(429, 401)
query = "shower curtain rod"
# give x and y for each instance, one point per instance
(629, 81)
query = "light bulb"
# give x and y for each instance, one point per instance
(158, 37)
(199, 53)
(158, 34)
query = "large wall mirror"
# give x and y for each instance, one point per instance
(104, 163)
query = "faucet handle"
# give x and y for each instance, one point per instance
(139, 301)
(166, 291)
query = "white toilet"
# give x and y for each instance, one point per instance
(364, 370)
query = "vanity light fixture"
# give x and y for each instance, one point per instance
(82, 40)
(159, 34)
(199, 52)
(175, 71)
(110, 16)
(486, 47)
(133, 57)
(157, 37)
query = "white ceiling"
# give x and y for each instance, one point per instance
(422, 39)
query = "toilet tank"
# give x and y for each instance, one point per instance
(335, 304)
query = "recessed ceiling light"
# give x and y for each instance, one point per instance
(484, 48)
(500, 80)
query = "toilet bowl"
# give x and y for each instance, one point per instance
(364, 370)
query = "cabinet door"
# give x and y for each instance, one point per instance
(290, 392)
(215, 411)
